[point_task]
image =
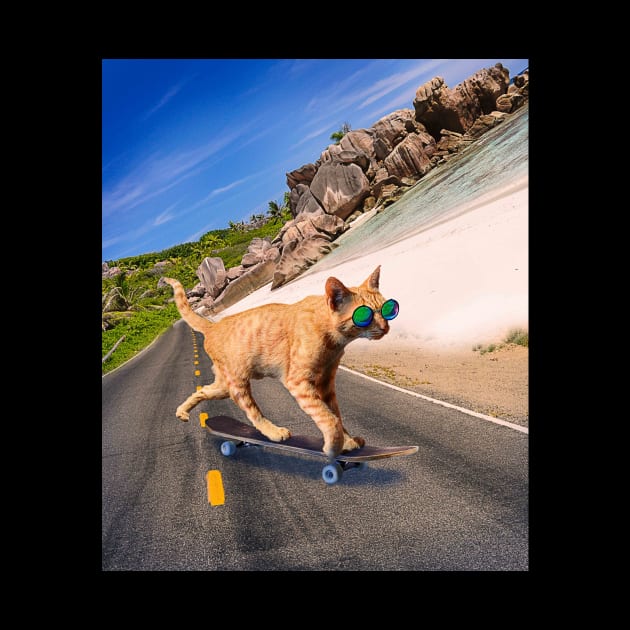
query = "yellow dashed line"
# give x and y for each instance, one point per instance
(198, 387)
(216, 494)
(202, 418)
(197, 372)
(196, 362)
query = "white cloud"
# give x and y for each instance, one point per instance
(171, 92)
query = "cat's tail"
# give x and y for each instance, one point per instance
(196, 322)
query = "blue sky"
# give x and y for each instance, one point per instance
(191, 144)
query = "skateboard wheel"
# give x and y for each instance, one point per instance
(331, 473)
(228, 448)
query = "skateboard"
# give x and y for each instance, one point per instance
(239, 434)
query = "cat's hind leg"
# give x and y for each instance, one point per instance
(215, 391)
(241, 394)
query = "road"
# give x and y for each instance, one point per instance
(460, 503)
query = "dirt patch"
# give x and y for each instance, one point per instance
(494, 383)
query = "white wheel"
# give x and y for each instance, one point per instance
(228, 448)
(331, 473)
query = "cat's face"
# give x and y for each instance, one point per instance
(343, 303)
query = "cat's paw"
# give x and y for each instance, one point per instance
(279, 434)
(352, 443)
(182, 415)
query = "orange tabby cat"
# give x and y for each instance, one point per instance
(301, 344)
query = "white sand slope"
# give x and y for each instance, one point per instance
(461, 282)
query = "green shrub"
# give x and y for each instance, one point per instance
(518, 336)
(140, 329)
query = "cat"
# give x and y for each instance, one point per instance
(301, 344)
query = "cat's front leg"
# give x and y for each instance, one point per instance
(310, 401)
(350, 443)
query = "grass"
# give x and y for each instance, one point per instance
(140, 329)
(516, 336)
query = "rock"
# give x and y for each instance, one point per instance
(358, 141)
(339, 188)
(111, 272)
(412, 157)
(390, 130)
(369, 203)
(307, 204)
(235, 272)
(298, 256)
(389, 180)
(507, 103)
(304, 174)
(256, 251)
(213, 276)
(294, 197)
(253, 279)
(197, 291)
(328, 224)
(353, 157)
(249, 260)
(438, 107)
(484, 123)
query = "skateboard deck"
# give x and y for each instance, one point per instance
(241, 434)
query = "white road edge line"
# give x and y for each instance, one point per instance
(505, 423)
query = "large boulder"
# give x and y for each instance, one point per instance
(298, 256)
(412, 157)
(390, 130)
(211, 272)
(302, 175)
(438, 107)
(356, 146)
(340, 188)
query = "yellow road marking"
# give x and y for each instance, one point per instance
(216, 494)
(197, 372)
(202, 418)
(196, 362)
(198, 387)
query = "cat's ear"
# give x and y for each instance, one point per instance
(336, 292)
(373, 280)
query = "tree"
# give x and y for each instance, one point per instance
(276, 210)
(338, 135)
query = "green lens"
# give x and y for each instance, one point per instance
(362, 316)
(389, 310)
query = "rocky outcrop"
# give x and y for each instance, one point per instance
(366, 171)
(437, 107)
(298, 256)
(371, 168)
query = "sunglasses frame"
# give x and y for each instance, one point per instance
(374, 312)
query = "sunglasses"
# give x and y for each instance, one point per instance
(363, 315)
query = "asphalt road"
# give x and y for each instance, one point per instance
(460, 503)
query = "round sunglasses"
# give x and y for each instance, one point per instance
(363, 315)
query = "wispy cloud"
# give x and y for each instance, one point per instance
(341, 96)
(222, 189)
(166, 97)
(166, 216)
(158, 173)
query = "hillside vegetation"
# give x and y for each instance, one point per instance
(133, 306)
